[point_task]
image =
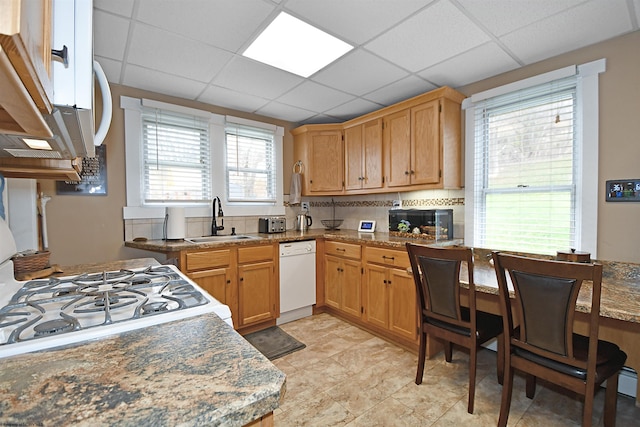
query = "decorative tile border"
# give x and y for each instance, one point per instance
(456, 201)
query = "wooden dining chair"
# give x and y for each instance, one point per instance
(542, 344)
(436, 273)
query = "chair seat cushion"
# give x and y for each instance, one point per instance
(487, 325)
(610, 359)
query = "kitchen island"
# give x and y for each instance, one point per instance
(196, 371)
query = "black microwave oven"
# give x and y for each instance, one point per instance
(429, 224)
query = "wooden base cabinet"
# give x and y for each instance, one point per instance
(389, 295)
(258, 288)
(244, 278)
(215, 272)
(343, 277)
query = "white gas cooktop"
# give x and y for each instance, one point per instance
(47, 313)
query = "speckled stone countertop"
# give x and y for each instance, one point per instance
(190, 372)
(375, 239)
(620, 284)
(620, 297)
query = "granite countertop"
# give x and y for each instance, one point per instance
(620, 283)
(375, 239)
(196, 371)
(620, 297)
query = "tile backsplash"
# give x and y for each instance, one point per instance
(351, 209)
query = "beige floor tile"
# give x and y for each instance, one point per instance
(348, 377)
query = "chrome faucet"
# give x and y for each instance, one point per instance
(214, 225)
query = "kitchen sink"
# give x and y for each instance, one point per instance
(220, 238)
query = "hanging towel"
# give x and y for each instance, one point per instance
(296, 189)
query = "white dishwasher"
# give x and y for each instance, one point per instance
(297, 280)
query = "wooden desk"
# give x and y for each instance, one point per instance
(619, 307)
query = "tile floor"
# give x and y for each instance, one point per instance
(348, 377)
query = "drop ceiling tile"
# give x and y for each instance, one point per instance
(112, 69)
(359, 72)
(580, 26)
(346, 18)
(120, 7)
(281, 111)
(227, 24)
(223, 97)
(486, 60)
(434, 34)
(400, 90)
(352, 109)
(160, 50)
(156, 81)
(314, 97)
(322, 119)
(252, 77)
(503, 16)
(110, 35)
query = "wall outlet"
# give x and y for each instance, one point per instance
(397, 203)
(305, 205)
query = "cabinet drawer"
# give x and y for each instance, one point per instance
(347, 250)
(255, 253)
(208, 259)
(387, 257)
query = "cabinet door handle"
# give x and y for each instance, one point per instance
(388, 257)
(61, 55)
(228, 281)
(413, 172)
(242, 279)
(406, 172)
(384, 281)
(340, 249)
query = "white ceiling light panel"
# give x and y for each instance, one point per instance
(295, 46)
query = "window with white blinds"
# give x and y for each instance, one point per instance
(176, 157)
(526, 166)
(250, 164)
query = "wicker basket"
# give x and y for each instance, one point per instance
(31, 262)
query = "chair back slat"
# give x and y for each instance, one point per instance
(545, 304)
(440, 279)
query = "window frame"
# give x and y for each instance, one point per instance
(136, 208)
(587, 114)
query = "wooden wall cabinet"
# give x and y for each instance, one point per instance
(413, 146)
(389, 296)
(421, 148)
(321, 150)
(245, 278)
(343, 277)
(25, 64)
(363, 156)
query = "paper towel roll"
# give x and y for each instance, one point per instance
(175, 223)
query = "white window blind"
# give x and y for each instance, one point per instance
(176, 157)
(250, 164)
(526, 166)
